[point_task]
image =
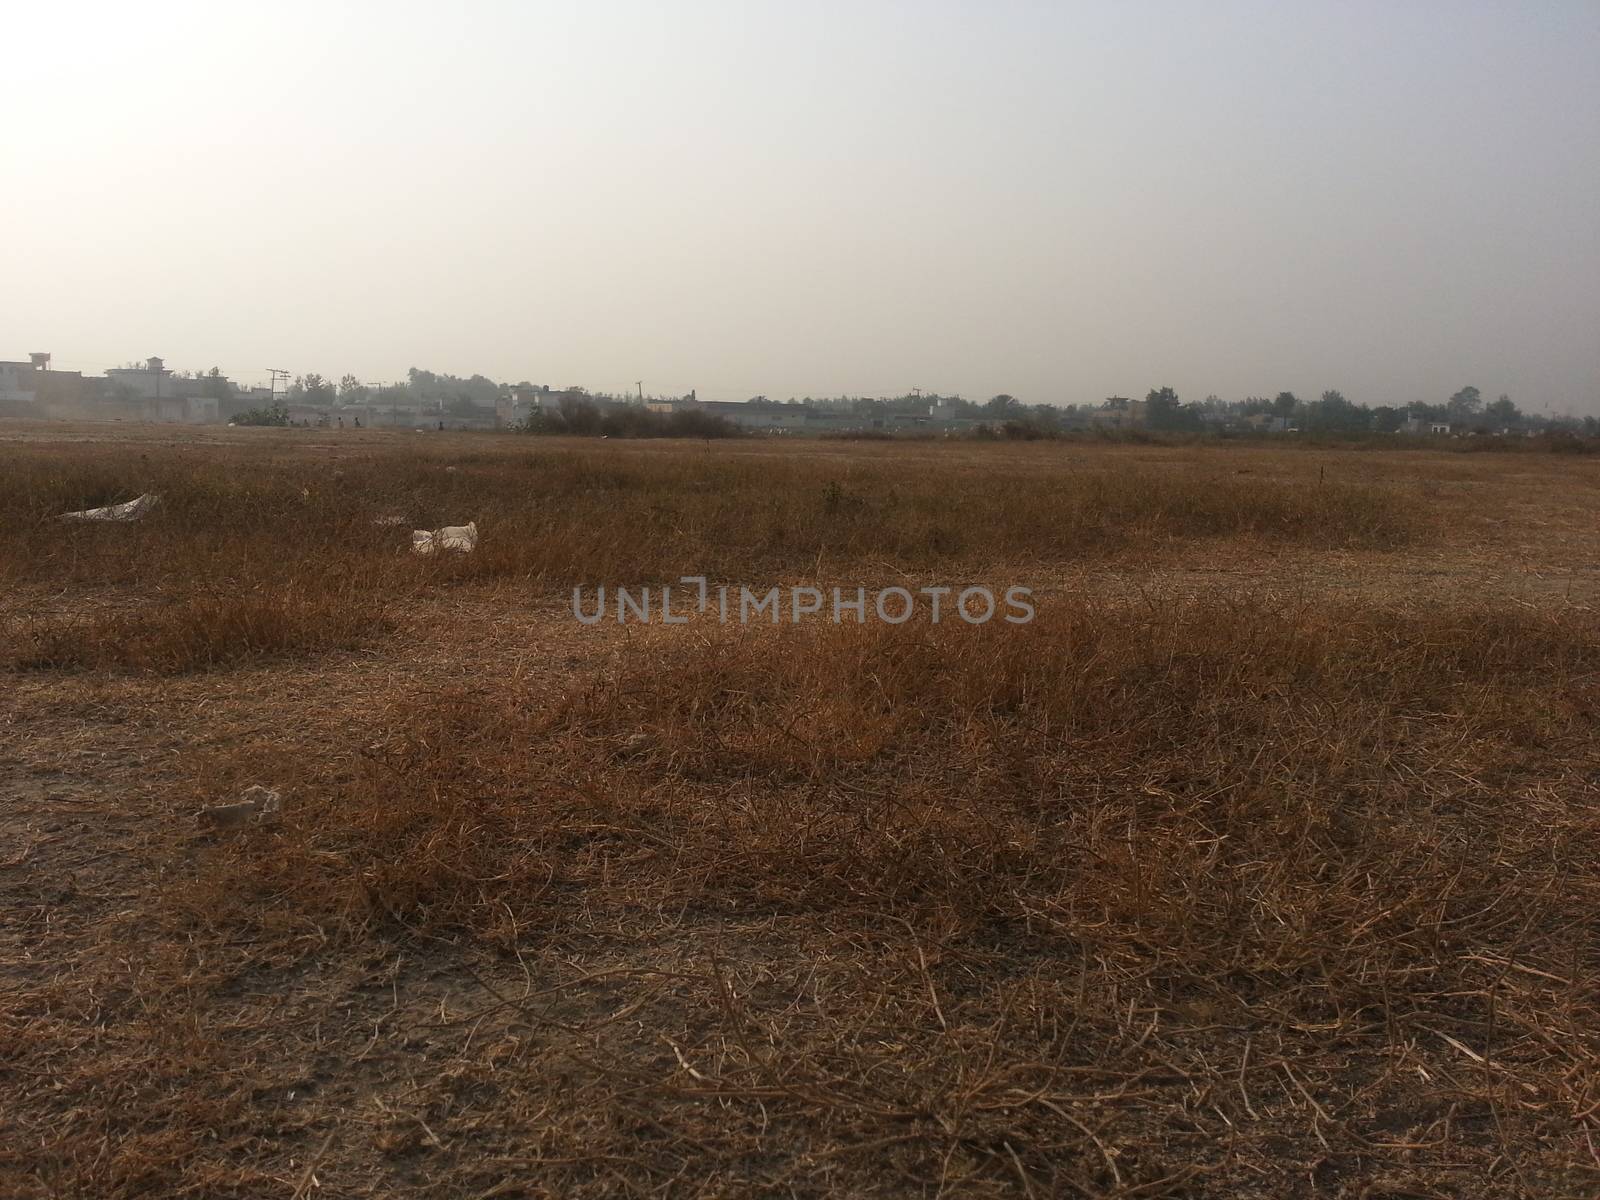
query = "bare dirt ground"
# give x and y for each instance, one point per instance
(654, 1052)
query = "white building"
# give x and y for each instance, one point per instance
(151, 381)
(1423, 425)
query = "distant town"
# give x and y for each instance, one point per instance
(150, 391)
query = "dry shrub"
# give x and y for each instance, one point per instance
(198, 632)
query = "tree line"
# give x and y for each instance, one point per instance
(1466, 410)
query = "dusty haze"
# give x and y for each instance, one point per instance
(1061, 202)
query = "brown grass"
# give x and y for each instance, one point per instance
(195, 632)
(1253, 891)
(1185, 831)
(588, 514)
(814, 763)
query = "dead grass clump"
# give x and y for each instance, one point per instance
(198, 632)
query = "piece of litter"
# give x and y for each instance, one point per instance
(130, 510)
(267, 801)
(259, 805)
(463, 538)
(389, 522)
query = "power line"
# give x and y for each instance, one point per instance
(275, 372)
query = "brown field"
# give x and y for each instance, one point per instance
(1265, 862)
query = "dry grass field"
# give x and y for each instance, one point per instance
(1265, 862)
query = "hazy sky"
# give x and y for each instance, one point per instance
(1061, 201)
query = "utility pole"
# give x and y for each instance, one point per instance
(273, 391)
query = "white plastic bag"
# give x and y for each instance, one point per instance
(462, 538)
(130, 510)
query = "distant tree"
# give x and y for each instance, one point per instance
(1333, 413)
(1465, 403)
(352, 390)
(1003, 406)
(1163, 410)
(578, 412)
(312, 389)
(1045, 416)
(481, 390)
(1285, 403)
(1386, 419)
(214, 385)
(1503, 412)
(442, 391)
